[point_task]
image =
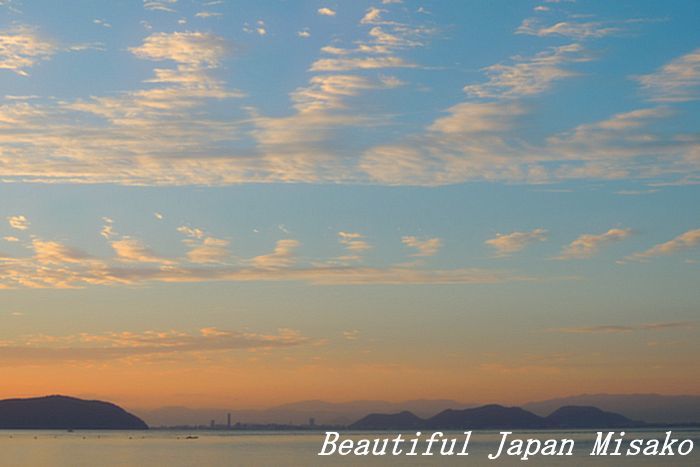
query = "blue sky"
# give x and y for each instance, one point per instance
(510, 186)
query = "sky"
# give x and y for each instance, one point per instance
(245, 203)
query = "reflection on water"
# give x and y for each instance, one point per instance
(216, 448)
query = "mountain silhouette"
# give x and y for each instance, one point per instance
(572, 416)
(652, 408)
(491, 417)
(399, 421)
(61, 412)
(486, 417)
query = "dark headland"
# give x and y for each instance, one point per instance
(65, 413)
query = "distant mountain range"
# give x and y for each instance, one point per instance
(651, 408)
(497, 417)
(61, 412)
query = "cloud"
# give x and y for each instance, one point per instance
(194, 49)
(588, 245)
(208, 14)
(18, 222)
(204, 248)
(101, 22)
(210, 250)
(425, 246)
(572, 30)
(21, 48)
(355, 244)
(50, 252)
(359, 63)
(55, 265)
(129, 345)
(471, 142)
(133, 250)
(677, 81)
(305, 33)
(528, 76)
(353, 241)
(281, 257)
(191, 231)
(108, 228)
(326, 11)
(617, 329)
(469, 118)
(684, 241)
(372, 16)
(506, 244)
(160, 5)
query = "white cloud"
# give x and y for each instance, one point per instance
(133, 250)
(194, 49)
(372, 16)
(513, 242)
(588, 245)
(359, 63)
(281, 257)
(21, 48)
(677, 81)
(191, 231)
(160, 5)
(209, 250)
(355, 243)
(326, 11)
(41, 348)
(101, 22)
(425, 246)
(305, 33)
(204, 248)
(108, 231)
(18, 222)
(208, 14)
(684, 241)
(573, 30)
(528, 76)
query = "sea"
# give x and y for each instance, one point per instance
(201, 448)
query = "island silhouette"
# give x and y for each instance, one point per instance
(493, 416)
(65, 413)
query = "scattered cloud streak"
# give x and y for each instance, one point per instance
(425, 246)
(21, 48)
(684, 241)
(617, 329)
(84, 347)
(506, 244)
(588, 245)
(677, 81)
(18, 222)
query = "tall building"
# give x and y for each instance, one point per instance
(228, 421)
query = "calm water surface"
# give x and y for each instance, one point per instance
(216, 448)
